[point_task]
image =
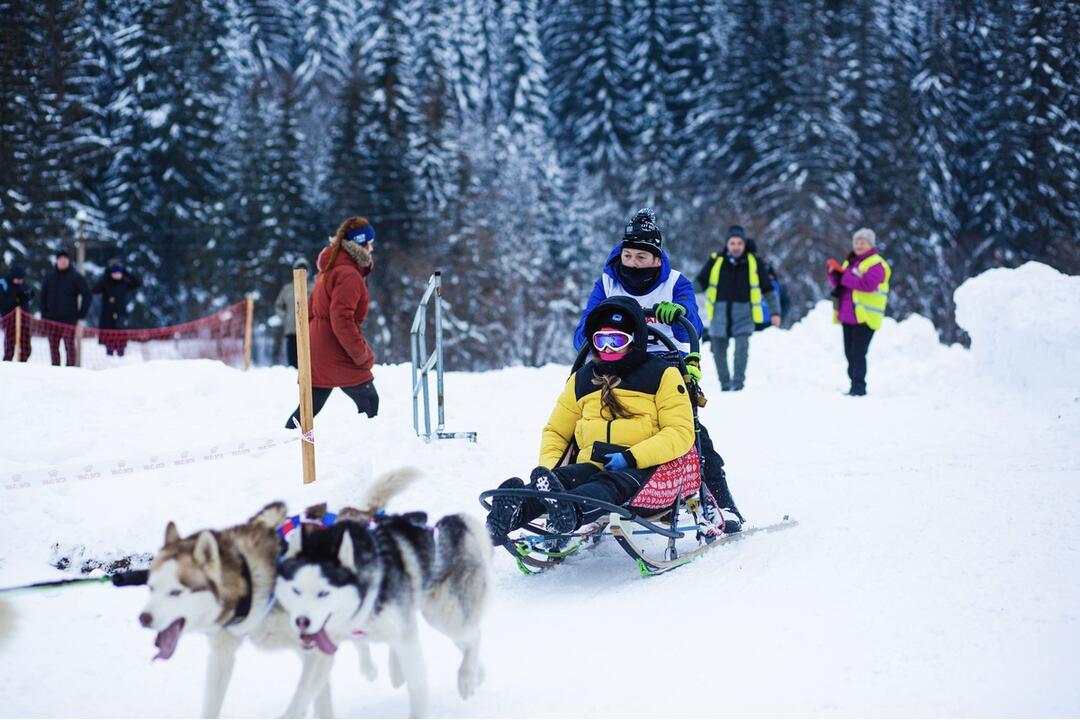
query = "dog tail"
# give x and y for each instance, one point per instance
(461, 578)
(7, 621)
(385, 488)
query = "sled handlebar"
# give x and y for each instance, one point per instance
(691, 332)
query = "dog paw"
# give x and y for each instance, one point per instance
(368, 668)
(468, 680)
(396, 677)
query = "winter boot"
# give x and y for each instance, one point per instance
(561, 515)
(715, 520)
(733, 522)
(710, 522)
(505, 514)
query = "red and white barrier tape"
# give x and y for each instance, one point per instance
(60, 475)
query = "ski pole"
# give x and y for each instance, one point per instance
(121, 579)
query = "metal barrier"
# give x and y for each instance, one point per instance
(422, 364)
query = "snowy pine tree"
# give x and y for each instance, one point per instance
(167, 176)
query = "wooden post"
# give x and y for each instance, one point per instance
(80, 266)
(80, 251)
(248, 330)
(78, 343)
(18, 334)
(303, 360)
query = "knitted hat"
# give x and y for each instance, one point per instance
(62, 253)
(735, 231)
(865, 234)
(642, 233)
(17, 272)
(361, 235)
(619, 312)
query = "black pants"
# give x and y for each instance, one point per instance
(610, 486)
(364, 395)
(113, 339)
(67, 334)
(713, 471)
(290, 349)
(856, 343)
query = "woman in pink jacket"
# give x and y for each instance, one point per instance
(861, 288)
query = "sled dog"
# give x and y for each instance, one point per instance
(370, 575)
(221, 582)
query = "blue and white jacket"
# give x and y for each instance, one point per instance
(671, 285)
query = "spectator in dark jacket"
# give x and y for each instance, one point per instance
(734, 302)
(65, 301)
(115, 286)
(15, 293)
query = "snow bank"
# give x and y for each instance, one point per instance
(904, 357)
(926, 578)
(1024, 325)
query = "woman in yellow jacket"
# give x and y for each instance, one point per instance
(628, 411)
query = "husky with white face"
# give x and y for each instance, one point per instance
(220, 583)
(371, 581)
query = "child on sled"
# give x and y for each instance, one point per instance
(628, 412)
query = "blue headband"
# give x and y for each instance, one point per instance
(361, 235)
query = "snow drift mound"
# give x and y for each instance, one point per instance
(905, 355)
(1024, 325)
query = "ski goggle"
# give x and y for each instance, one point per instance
(611, 340)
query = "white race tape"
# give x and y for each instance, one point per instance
(100, 470)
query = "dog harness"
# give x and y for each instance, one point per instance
(294, 523)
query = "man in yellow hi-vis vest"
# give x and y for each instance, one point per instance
(862, 291)
(734, 297)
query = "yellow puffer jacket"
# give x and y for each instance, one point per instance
(662, 428)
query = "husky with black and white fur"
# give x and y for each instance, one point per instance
(221, 583)
(370, 576)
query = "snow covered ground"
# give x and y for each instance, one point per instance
(935, 570)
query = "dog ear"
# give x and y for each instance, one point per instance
(295, 543)
(346, 555)
(172, 535)
(206, 551)
(270, 516)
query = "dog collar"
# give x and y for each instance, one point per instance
(294, 523)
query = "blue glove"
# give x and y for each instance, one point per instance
(616, 461)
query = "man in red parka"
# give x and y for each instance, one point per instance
(340, 356)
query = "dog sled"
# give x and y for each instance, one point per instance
(661, 528)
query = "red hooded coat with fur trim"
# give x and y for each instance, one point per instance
(340, 356)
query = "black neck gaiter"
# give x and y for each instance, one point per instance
(636, 280)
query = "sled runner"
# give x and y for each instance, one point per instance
(666, 511)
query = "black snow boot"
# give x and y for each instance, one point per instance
(505, 515)
(561, 514)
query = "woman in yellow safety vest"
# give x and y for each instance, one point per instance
(861, 288)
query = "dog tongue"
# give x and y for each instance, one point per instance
(321, 640)
(167, 639)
